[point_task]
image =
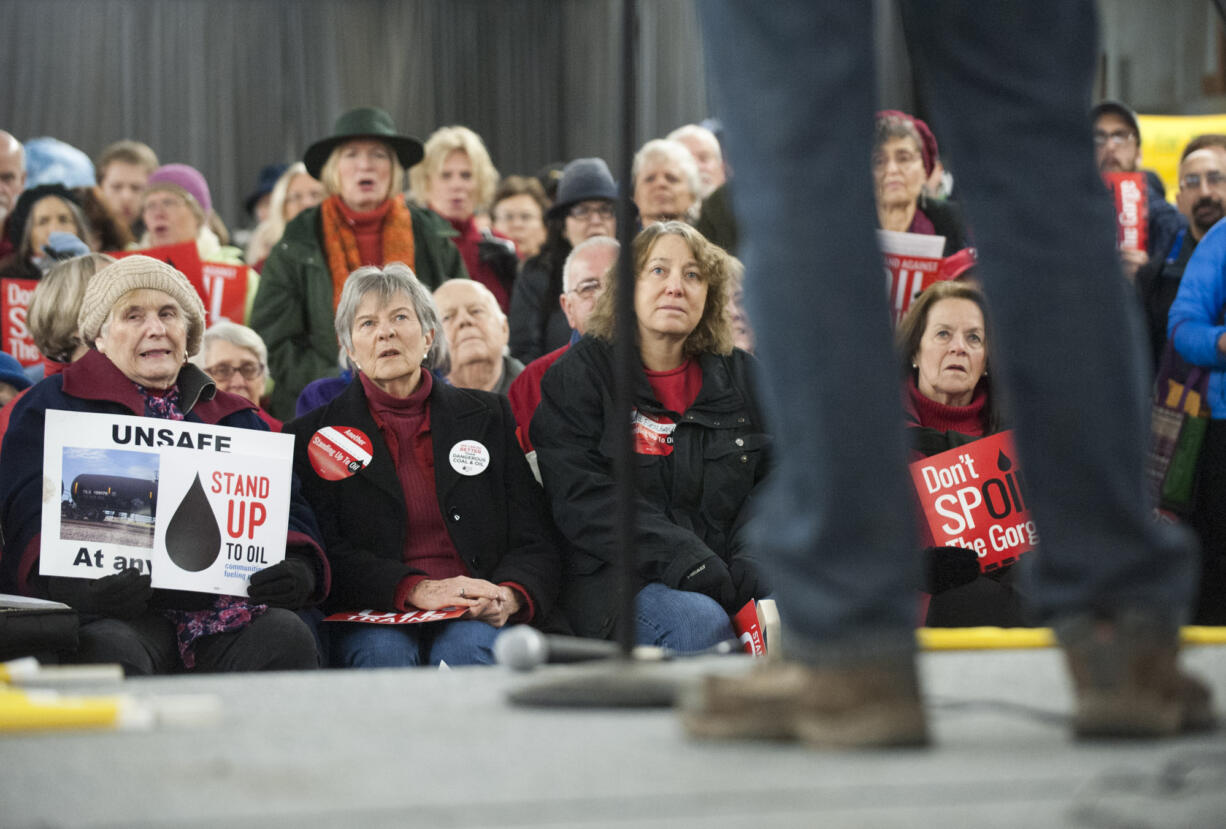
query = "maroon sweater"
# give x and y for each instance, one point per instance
(468, 242)
(405, 424)
(968, 420)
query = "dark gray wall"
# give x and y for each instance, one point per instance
(229, 85)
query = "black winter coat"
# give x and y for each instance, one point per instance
(537, 322)
(692, 503)
(497, 519)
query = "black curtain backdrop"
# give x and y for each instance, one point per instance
(230, 85)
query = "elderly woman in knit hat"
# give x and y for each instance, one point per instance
(585, 207)
(176, 207)
(141, 320)
(904, 156)
(363, 221)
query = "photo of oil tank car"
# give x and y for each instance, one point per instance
(93, 497)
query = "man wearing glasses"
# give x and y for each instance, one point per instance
(584, 276)
(1117, 149)
(1202, 202)
(1195, 328)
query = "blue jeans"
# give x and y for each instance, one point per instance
(1009, 86)
(369, 645)
(679, 620)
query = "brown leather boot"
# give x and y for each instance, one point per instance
(850, 706)
(1127, 681)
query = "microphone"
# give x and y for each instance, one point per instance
(523, 648)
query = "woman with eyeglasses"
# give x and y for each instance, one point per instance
(584, 208)
(237, 360)
(904, 155)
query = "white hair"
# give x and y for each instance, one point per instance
(581, 249)
(674, 152)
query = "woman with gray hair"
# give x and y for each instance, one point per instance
(235, 357)
(430, 503)
(904, 156)
(666, 182)
(52, 317)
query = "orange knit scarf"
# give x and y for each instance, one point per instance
(341, 243)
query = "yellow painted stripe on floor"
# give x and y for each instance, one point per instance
(992, 638)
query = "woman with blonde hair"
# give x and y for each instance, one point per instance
(456, 179)
(701, 450)
(295, 191)
(52, 317)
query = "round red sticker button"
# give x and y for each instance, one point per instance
(337, 452)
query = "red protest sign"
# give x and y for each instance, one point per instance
(912, 263)
(182, 257)
(974, 496)
(907, 277)
(413, 617)
(225, 291)
(14, 306)
(1131, 209)
(749, 630)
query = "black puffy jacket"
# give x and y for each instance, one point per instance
(693, 502)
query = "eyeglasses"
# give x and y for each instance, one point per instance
(1115, 139)
(517, 217)
(903, 158)
(604, 210)
(587, 289)
(224, 372)
(1192, 181)
(167, 202)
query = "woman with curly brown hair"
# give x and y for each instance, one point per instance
(700, 444)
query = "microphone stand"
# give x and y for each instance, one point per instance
(622, 682)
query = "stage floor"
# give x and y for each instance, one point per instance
(445, 749)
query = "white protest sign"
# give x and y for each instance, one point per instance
(202, 507)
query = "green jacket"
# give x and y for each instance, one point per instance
(293, 308)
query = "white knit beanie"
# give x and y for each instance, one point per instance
(131, 273)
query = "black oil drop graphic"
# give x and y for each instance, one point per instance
(1003, 463)
(193, 537)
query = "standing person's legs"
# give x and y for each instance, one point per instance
(1011, 84)
(795, 84)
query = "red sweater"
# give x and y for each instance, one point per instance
(368, 228)
(467, 241)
